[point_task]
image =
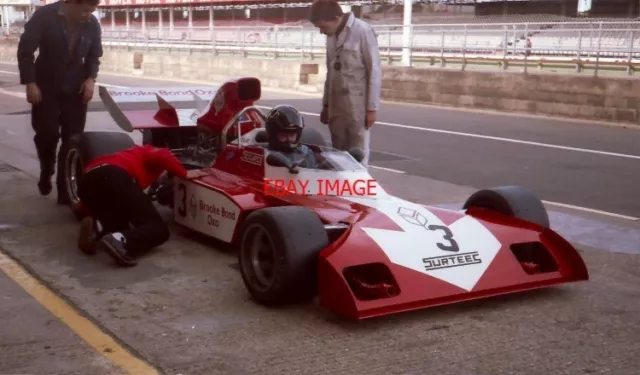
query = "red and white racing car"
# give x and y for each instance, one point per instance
(364, 255)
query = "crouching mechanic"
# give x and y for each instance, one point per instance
(284, 125)
(123, 220)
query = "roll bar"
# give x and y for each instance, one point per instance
(235, 119)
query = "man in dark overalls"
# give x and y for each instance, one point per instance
(60, 83)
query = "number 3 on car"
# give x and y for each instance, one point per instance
(205, 210)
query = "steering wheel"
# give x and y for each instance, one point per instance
(293, 168)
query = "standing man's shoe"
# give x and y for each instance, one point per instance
(47, 171)
(44, 184)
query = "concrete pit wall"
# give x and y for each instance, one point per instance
(612, 99)
(207, 68)
(586, 97)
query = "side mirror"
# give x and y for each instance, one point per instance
(357, 154)
(276, 159)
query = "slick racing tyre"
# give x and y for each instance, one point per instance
(278, 255)
(514, 201)
(80, 150)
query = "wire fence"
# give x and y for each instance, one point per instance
(603, 47)
(574, 39)
(607, 46)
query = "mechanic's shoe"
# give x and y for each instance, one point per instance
(87, 237)
(113, 244)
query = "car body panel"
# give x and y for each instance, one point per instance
(499, 273)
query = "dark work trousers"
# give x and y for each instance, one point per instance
(56, 117)
(120, 205)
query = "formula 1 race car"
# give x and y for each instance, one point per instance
(303, 232)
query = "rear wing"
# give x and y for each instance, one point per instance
(155, 107)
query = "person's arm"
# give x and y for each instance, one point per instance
(92, 60)
(163, 158)
(371, 55)
(27, 46)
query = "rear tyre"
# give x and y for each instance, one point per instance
(278, 255)
(80, 150)
(514, 201)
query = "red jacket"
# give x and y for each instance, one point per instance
(144, 163)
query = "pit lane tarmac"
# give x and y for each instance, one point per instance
(184, 309)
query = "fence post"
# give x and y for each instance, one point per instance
(598, 50)
(527, 50)
(389, 58)
(515, 40)
(411, 33)
(442, 48)
(578, 68)
(464, 50)
(244, 43)
(505, 42)
(631, 43)
(302, 43)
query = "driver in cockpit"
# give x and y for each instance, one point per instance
(284, 125)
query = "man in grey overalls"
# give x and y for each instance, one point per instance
(354, 77)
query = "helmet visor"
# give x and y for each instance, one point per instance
(285, 136)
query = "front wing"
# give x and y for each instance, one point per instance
(359, 280)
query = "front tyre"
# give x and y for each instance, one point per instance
(278, 255)
(514, 201)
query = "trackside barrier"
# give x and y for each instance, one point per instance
(615, 99)
(553, 45)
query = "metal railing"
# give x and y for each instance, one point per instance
(612, 46)
(606, 47)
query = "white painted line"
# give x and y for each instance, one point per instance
(98, 83)
(531, 143)
(13, 93)
(480, 111)
(568, 148)
(442, 131)
(23, 95)
(388, 169)
(297, 93)
(591, 210)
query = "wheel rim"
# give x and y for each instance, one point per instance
(260, 258)
(73, 170)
